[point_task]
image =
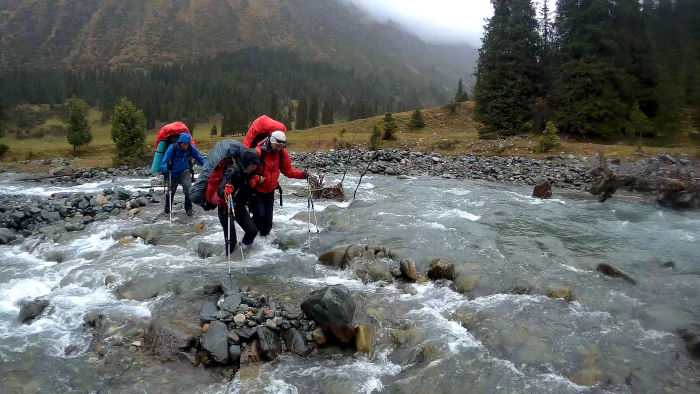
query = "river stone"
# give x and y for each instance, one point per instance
(332, 309)
(270, 344)
(319, 336)
(233, 338)
(465, 283)
(212, 289)
(101, 200)
(231, 303)
(50, 216)
(7, 236)
(73, 227)
(587, 377)
(215, 342)
(363, 339)
(239, 319)
(234, 354)
(209, 312)
(611, 271)
(408, 270)
(560, 292)
(57, 256)
(441, 269)
(691, 336)
(351, 252)
(401, 337)
(166, 342)
(372, 270)
(251, 353)
(30, 310)
(245, 332)
(199, 226)
(295, 342)
(332, 259)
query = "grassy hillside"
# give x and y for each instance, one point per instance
(446, 132)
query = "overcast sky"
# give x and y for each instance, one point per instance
(435, 20)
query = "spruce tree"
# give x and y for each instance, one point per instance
(225, 124)
(461, 95)
(389, 127)
(417, 121)
(78, 131)
(213, 132)
(375, 140)
(313, 112)
(191, 123)
(508, 75)
(273, 111)
(327, 114)
(128, 133)
(302, 114)
(289, 121)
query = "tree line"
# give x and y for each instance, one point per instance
(241, 85)
(607, 69)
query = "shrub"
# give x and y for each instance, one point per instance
(549, 139)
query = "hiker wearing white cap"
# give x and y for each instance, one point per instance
(273, 160)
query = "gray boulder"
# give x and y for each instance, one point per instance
(30, 310)
(165, 343)
(441, 269)
(215, 342)
(332, 309)
(295, 342)
(6, 236)
(270, 344)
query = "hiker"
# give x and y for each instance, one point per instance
(176, 166)
(273, 160)
(237, 183)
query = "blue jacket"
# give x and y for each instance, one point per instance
(180, 158)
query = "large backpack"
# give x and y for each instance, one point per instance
(170, 133)
(261, 128)
(224, 153)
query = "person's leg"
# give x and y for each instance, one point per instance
(257, 209)
(243, 219)
(186, 182)
(268, 201)
(224, 220)
(166, 179)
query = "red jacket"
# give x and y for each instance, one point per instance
(261, 128)
(270, 168)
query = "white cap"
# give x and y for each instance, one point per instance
(278, 137)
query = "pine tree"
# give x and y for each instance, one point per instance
(327, 114)
(225, 128)
(191, 123)
(213, 132)
(289, 121)
(417, 121)
(389, 127)
(313, 112)
(375, 141)
(78, 132)
(274, 112)
(302, 114)
(549, 139)
(508, 75)
(461, 95)
(128, 133)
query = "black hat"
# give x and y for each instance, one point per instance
(249, 156)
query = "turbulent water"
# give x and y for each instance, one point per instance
(486, 341)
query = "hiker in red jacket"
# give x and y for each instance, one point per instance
(273, 160)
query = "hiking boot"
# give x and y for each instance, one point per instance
(188, 211)
(167, 208)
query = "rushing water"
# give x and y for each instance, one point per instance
(487, 341)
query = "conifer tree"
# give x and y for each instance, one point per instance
(78, 131)
(213, 132)
(389, 127)
(128, 133)
(375, 140)
(289, 119)
(417, 121)
(302, 114)
(327, 114)
(313, 112)
(461, 95)
(225, 124)
(273, 112)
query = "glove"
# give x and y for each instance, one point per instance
(228, 189)
(254, 181)
(170, 167)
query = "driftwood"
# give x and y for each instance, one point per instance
(607, 184)
(320, 192)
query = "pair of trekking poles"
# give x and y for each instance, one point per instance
(309, 208)
(232, 213)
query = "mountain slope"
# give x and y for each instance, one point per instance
(96, 33)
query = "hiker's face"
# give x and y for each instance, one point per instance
(184, 145)
(250, 168)
(277, 148)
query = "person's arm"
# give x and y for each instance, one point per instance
(227, 179)
(288, 170)
(254, 180)
(166, 159)
(197, 157)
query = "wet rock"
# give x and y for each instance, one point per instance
(245, 333)
(209, 312)
(691, 336)
(252, 323)
(678, 199)
(7, 236)
(212, 289)
(205, 250)
(295, 342)
(228, 285)
(351, 252)
(57, 256)
(70, 227)
(668, 264)
(233, 338)
(465, 283)
(587, 377)
(251, 353)
(611, 271)
(271, 324)
(363, 339)
(94, 320)
(199, 226)
(234, 354)
(543, 190)
(165, 342)
(71, 350)
(231, 303)
(239, 320)
(30, 310)
(401, 337)
(519, 290)
(215, 342)
(372, 270)
(332, 309)
(101, 200)
(285, 325)
(205, 328)
(409, 289)
(319, 336)
(110, 279)
(332, 259)
(441, 269)
(408, 270)
(561, 292)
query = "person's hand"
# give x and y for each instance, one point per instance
(306, 173)
(170, 167)
(262, 179)
(252, 183)
(228, 189)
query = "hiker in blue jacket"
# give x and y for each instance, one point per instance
(177, 164)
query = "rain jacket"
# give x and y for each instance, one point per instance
(180, 158)
(271, 164)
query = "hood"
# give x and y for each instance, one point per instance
(184, 137)
(248, 157)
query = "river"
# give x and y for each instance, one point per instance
(486, 341)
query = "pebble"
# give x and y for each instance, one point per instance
(239, 320)
(271, 324)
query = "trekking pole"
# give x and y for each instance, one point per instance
(227, 235)
(232, 212)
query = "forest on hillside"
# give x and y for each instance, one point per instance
(241, 85)
(605, 69)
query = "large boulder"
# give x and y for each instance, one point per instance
(332, 259)
(678, 199)
(270, 344)
(295, 342)
(231, 303)
(543, 190)
(691, 336)
(351, 252)
(332, 309)
(611, 271)
(441, 269)
(6, 236)
(372, 270)
(215, 342)
(408, 270)
(165, 342)
(30, 310)
(209, 312)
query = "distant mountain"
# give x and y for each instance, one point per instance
(77, 34)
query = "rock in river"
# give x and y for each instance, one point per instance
(165, 343)
(543, 190)
(441, 269)
(333, 309)
(560, 292)
(30, 310)
(215, 342)
(295, 342)
(363, 339)
(270, 344)
(332, 259)
(408, 270)
(609, 270)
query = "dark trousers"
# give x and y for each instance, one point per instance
(261, 206)
(184, 180)
(243, 219)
